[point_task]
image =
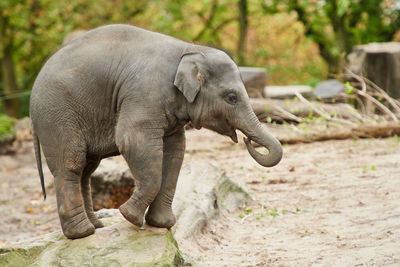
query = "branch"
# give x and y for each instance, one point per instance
(223, 24)
(320, 112)
(364, 93)
(208, 21)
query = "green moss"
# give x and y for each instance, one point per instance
(178, 259)
(118, 245)
(24, 255)
(230, 194)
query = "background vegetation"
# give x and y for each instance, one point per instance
(298, 41)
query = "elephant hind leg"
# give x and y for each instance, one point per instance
(91, 166)
(67, 166)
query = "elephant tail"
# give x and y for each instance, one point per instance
(36, 145)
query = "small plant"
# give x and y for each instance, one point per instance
(248, 211)
(349, 88)
(273, 213)
(267, 109)
(364, 169)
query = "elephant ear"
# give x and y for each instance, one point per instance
(188, 78)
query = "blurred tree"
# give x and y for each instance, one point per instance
(30, 30)
(7, 45)
(243, 22)
(337, 25)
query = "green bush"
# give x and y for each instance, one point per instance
(6, 124)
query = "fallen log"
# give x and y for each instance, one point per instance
(381, 130)
(295, 111)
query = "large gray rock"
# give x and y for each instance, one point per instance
(329, 89)
(202, 192)
(118, 244)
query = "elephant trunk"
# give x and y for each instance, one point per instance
(253, 129)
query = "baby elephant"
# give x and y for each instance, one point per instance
(119, 89)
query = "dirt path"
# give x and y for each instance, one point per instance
(328, 203)
(334, 203)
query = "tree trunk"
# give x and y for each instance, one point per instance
(320, 38)
(380, 63)
(242, 4)
(11, 105)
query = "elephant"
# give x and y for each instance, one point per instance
(122, 90)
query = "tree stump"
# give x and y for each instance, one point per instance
(380, 63)
(254, 80)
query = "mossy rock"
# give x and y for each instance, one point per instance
(120, 244)
(202, 191)
(229, 194)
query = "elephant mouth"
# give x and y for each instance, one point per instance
(231, 131)
(233, 135)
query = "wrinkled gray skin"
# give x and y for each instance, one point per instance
(119, 89)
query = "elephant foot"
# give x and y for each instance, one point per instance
(133, 214)
(160, 216)
(77, 226)
(96, 222)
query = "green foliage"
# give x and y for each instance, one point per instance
(337, 25)
(349, 88)
(290, 38)
(6, 124)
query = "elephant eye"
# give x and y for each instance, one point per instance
(231, 98)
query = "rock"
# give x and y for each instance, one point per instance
(118, 244)
(329, 89)
(254, 80)
(203, 191)
(6, 140)
(281, 92)
(378, 62)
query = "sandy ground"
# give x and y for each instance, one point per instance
(333, 203)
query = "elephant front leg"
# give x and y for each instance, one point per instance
(143, 153)
(160, 212)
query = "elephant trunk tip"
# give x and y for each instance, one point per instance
(271, 159)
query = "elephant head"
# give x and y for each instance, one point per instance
(217, 100)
